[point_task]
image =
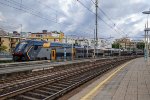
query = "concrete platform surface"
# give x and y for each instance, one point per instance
(18, 67)
(1, 59)
(130, 81)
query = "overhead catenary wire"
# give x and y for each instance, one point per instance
(93, 2)
(21, 7)
(9, 24)
(109, 18)
(86, 7)
(109, 25)
(24, 7)
(25, 10)
(99, 17)
(49, 7)
(46, 5)
(28, 10)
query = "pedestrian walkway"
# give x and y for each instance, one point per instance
(130, 81)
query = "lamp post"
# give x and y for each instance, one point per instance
(86, 41)
(94, 44)
(87, 48)
(146, 54)
(72, 50)
(72, 46)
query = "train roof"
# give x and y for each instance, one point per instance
(35, 42)
(52, 44)
(55, 44)
(79, 46)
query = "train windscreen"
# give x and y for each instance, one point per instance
(21, 46)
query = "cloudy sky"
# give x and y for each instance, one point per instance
(119, 17)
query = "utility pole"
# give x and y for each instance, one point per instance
(96, 24)
(66, 39)
(94, 43)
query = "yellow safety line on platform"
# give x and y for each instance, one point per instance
(88, 95)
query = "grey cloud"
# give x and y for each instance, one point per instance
(77, 19)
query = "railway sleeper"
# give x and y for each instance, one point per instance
(22, 75)
(24, 97)
(59, 84)
(50, 90)
(67, 89)
(42, 92)
(35, 95)
(7, 91)
(55, 86)
(66, 83)
(46, 90)
(72, 80)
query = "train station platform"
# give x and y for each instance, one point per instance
(4, 59)
(130, 81)
(36, 65)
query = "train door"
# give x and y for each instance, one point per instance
(53, 54)
(74, 52)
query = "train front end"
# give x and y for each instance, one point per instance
(19, 53)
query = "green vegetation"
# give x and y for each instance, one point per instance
(116, 45)
(3, 48)
(140, 45)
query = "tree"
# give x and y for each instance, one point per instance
(116, 45)
(140, 45)
(3, 48)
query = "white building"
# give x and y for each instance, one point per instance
(102, 43)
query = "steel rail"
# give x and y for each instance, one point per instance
(96, 66)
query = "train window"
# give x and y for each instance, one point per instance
(22, 45)
(60, 54)
(35, 47)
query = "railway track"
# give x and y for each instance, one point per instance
(24, 76)
(55, 84)
(7, 70)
